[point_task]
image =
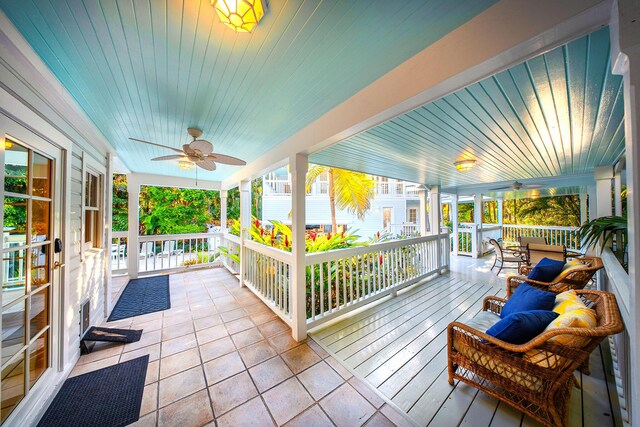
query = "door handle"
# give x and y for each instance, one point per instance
(57, 265)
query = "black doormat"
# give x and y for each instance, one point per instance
(96, 333)
(108, 397)
(142, 296)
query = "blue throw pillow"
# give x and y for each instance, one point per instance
(546, 270)
(519, 328)
(527, 298)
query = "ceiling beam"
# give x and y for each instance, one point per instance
(504, 35)
(137, 179)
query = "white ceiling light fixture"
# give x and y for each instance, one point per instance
(240, 15)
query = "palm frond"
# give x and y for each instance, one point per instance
(314, 172)
(354, 191)
(601, 230)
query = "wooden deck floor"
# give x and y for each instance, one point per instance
(399, 347)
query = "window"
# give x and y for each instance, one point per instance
(413, 215)
(92, 222)
(387, 213)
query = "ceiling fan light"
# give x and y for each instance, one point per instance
(240, 15)
(465, 165)
(185, 165)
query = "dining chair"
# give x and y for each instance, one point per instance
(503, 258)
(536, 251)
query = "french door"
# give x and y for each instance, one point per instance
(30, 274)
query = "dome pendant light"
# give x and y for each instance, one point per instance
(240, 15)
(465, 165)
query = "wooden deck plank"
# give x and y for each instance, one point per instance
(387, 319)
(402, 320)
(361, 350)
(419, 336)
(404, 297)
(399, 347)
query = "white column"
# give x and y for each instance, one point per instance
(133, 246)
(454, 223)
(434, 210)
(625, 48)
(108, 222)
(584, 213)
(604, 181)
(245, 223)
(298, 165)
(477, 220)
(617, 196)
(422, 194)
(500, 203)
(223, 210)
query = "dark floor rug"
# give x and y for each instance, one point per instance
(96, 333)
(142, 296)
(108, 397)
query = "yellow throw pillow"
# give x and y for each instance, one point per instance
(567, 301)
(580, 318)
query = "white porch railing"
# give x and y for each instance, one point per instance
(267, 271)
(614, 278)
(409, 230)
(232, 255)
(166, 252)
(566, 236)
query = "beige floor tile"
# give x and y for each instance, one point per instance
(300, 358)
(149, 399)
(344, 372)
(379, 420)
(215, 349)
(274, 327)
(346, 407)
(312, 417)
(256, 353)
(178, 345)
(181, 385)
(366, 391)
(207, 322)
(317, 348)
(269, 373)
(231, 392)
(320, 380)
(248, 337)
(178, 318)
(148, 420)
(211, 334)
(199, 312)
(283, 342)
(179, 362)
(146, 318)
(178, 330)
(101, 351)
(239, 325)
(147, 339)
(149, 326)
(262, 317)
(251, 414)
(194, 410)
(223, 367)
(93, 366)
(228, 316)
(259, 308)
(153, 372)
(287, 400)
(395, 416)
(153, 351)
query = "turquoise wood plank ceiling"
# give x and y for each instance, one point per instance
(151, 68)
(560, 113)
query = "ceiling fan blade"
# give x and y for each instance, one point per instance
(532, 186)
(157, 145)
(171, 157)
(207, 164)
(501, 188)
(227, 160)
(202, 145)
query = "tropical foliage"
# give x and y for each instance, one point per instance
(604, 231)
(348, 190)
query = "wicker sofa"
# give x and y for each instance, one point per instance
(535, 377)
(574, 277)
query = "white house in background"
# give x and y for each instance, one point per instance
(396, 207)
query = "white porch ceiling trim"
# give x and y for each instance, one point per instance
(137, 179)
(504, 35)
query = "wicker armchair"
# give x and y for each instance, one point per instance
(574, 277)
(536, 377)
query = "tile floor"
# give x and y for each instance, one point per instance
(219, 356)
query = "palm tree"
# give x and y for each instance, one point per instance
(348, 190)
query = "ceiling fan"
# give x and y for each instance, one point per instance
(517, 186)
(198, 152)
